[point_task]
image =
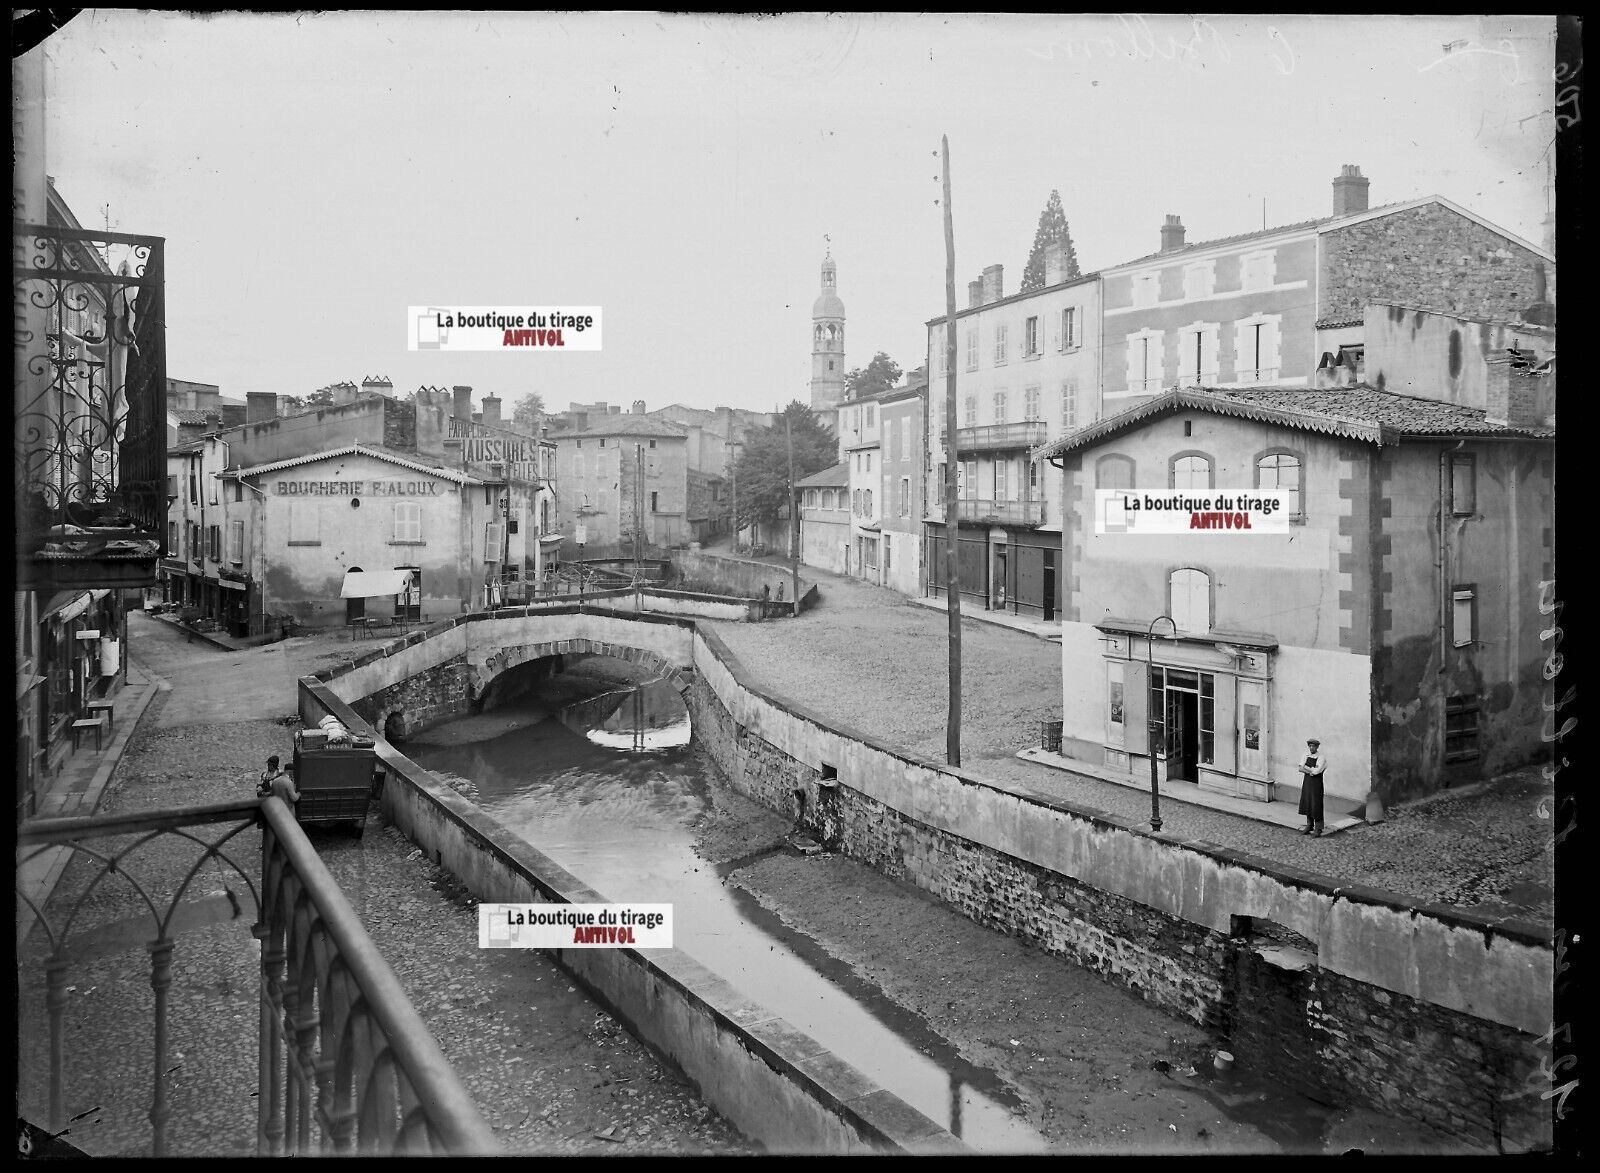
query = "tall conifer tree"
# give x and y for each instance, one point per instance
(1052, 229)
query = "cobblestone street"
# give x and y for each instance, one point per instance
(869, 659)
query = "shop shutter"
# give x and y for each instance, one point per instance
(1226, 715)
(1136, 707)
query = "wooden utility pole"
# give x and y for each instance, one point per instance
(952, 564)
(794, 517)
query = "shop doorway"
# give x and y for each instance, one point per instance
(1183, 726)
(354, 609)
(1049, 585)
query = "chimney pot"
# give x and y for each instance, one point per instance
(638, 407)
(259, 406)
(463, 404)
(993, 283)
(1172, 234)
(1349, 191)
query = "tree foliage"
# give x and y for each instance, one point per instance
(1052, 230)
(528, 413)
(762, 466)
(878, 375)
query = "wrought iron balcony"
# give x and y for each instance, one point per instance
(1002, 437)
(90, 363)
(978, 511)
(344, 1064)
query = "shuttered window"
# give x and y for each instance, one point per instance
(407, 521)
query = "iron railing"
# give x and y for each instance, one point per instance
(90, 366)
(1000, 512)
(345, 1064)
(1002, 437)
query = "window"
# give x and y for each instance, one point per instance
(652, 443)
(214, 543)
(194, 483)
(969, 478)
(493, 541)
(1033, 479)
(871, 409)
(869, 462)
(1144, 362)
(655, 502)
(1030, 403)
(1461, 728)
(407, 521)
(1146, 290)
(1190, 590)
(173, 549)
(855, 502)
(1463, 484)
(905, 437)
(304, 520)
(1000, 344)
(971, 406)
(1463, 616)
(905, 496)
(1069, 328)
(1208, 718)
(1198, 280)
(1113, 472)
(1280, 472)
(1197, 354)
(238, 491)
(1190, 471)
(972, 347)
(1069, 405)
(1002, 491)
(811, 498)
(1256, 271)
(1255, 346)
(236, 541)
(866, 503)
(1030, 338)
(1000, 406)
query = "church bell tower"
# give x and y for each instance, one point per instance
(827, 347)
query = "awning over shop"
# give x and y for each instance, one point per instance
(549, 540)
(367, 584)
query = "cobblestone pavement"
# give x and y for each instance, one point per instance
(551, 1070)
(869, 659)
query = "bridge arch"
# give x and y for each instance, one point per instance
(505, 658)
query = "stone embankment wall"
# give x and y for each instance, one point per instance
(1431, 1011)
(1425, 1011)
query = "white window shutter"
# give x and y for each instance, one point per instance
(1269, 344)
(1208, 353)
(1135, 362)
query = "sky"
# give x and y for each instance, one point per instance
(316, 174)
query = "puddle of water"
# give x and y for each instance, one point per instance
(615, 800)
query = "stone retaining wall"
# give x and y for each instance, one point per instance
(1427, 1011)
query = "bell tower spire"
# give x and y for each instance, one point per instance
(827, 343)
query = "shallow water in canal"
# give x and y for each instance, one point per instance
(611, 789)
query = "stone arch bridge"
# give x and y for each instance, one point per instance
(449, 669)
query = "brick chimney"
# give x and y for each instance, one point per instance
(638, 407)
(346, 392)
(1055, 263)
(463, 410)
(1349, 191)
(378, 385)
(260, 406)
(491, 409)
(974, 294)
(1171, 234)
(1517, 396)
(994, 286)
(213, 422)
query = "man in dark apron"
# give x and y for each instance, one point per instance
(1312, 770)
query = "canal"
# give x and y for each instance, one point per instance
(611, 786)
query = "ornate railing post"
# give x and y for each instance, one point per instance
(160, 982)
(56, 1003)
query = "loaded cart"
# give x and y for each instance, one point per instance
(337, 773)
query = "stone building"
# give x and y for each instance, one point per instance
(1397, 620)
(825, 519)
(232, 551)
(623, 476)
(1270, 308)
(1027, 371)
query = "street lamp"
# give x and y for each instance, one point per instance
(1154, 723)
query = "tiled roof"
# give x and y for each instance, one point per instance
(828, 478)
(187, 415)
(626, 424)
(405, 460)
(1358, 413)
